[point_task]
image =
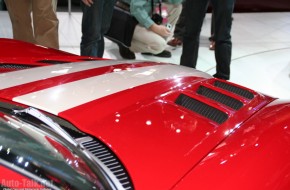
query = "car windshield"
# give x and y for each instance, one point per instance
(43, 156)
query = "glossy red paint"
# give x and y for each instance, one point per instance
(166, 146)
(162, 139)
(255, 156)
(19, 53)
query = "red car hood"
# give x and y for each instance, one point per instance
(160, 119)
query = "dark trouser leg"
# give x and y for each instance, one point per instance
(211, 38)
(95, 22)
(194, 15)
(222, 11)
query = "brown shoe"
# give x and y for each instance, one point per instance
(175, 42)
(212, 45)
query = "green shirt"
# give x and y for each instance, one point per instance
(142, 10)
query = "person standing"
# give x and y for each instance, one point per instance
(42, 13)
(195, 11)
(96, 20)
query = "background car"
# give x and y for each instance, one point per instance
(118, 124)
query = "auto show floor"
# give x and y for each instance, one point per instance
(260, 57)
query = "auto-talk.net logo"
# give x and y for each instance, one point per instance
(24, 184)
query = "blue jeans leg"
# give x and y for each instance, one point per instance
(222, 11)
(95, 23)
(194, 11)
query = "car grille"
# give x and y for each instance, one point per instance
(211, 95)
(234, 89)
(53, 61)
(219, 97)
(201, 108)
(109, 160)
(15, 66)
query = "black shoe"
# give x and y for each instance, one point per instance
(221, 77)
(165, 53)
(125, 52)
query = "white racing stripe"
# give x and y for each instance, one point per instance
(69, 95)
(15, 78)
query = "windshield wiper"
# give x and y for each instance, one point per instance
(48, 121)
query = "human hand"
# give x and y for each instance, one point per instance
(161, 30)
(88, 2)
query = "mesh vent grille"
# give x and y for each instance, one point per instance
(53, 61)
(239, 91)
(201, 108)
(219, 97)
(105, 155)
(15, 66)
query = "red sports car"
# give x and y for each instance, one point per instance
(72, 122)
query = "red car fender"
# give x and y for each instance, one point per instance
(255, 156)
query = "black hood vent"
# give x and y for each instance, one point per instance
(53, 61)
(15, 66)
(201, 108)
(234, 89)
(216, 100)
(219, 97)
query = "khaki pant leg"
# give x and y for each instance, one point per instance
(54, 4)
(174, 12)
(146, 41)
(45, 23)
(20, 16)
